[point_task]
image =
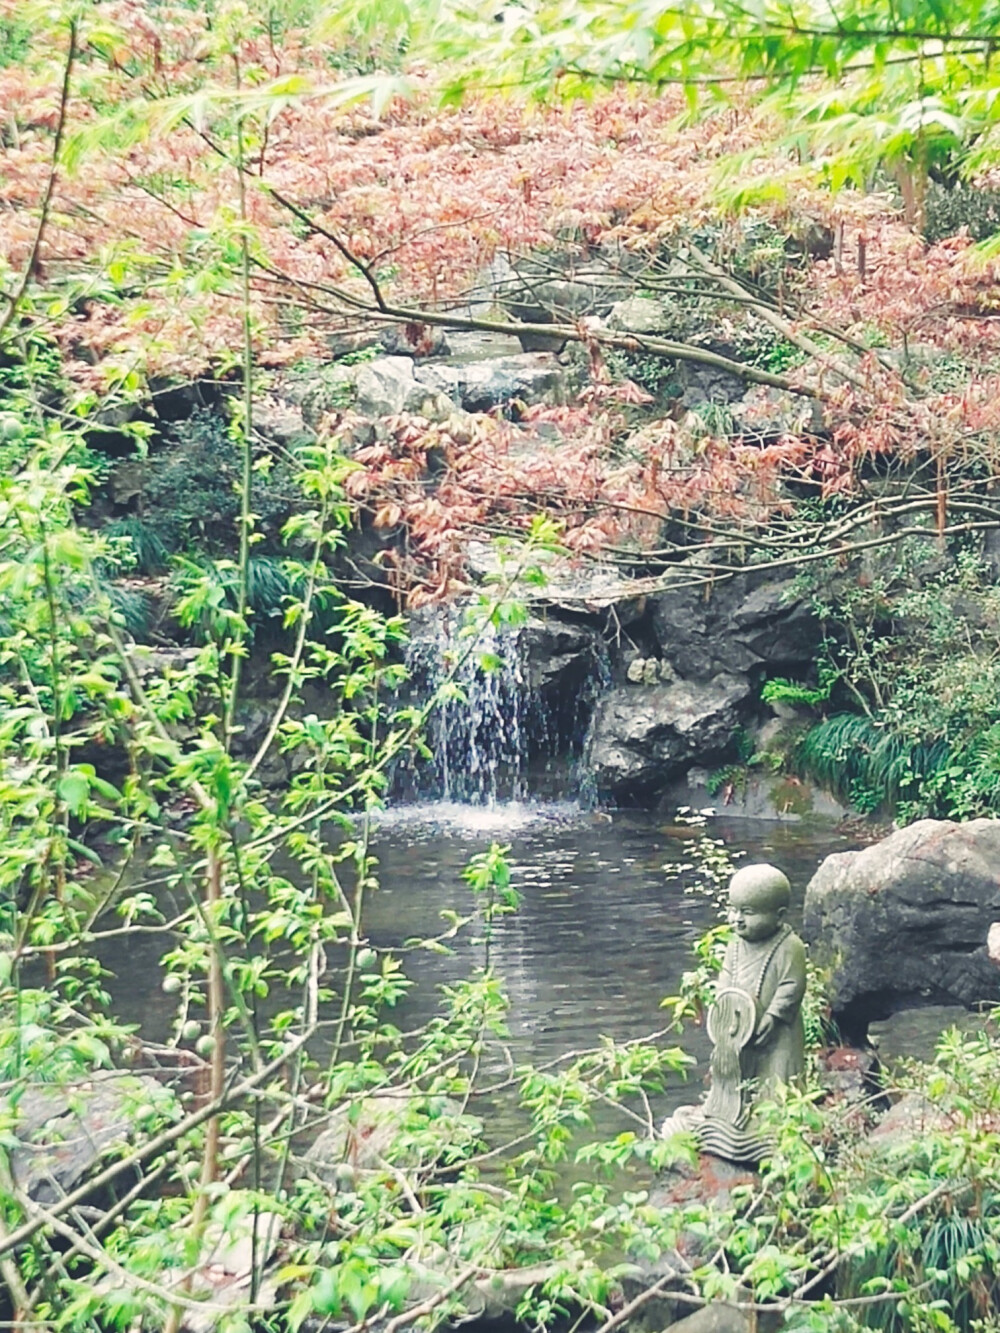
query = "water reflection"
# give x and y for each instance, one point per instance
(602, 936)
(603, 933)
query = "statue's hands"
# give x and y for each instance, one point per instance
(764, 1029)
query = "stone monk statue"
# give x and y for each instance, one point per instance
(755, 1021)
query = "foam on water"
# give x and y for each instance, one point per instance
(457, 819)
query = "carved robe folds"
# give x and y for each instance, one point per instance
(773, 971)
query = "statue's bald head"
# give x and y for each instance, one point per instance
(763, 885)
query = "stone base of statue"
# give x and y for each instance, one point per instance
(745, 1146)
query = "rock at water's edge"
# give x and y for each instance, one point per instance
(640, 737)
(64, 1132)
(913, 1034)
(908, 918)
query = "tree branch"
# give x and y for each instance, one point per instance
(17, 296)
(154, 1145)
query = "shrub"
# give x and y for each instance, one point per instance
(910, 672)
(947, 211)
(191, 497)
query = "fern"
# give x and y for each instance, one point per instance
(780, 690)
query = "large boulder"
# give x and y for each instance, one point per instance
(373, 389)
(480, 386)
(914, 1034)
(642, 735)
(558, 301)
(906, 919)
(738, 628)
(641, 314)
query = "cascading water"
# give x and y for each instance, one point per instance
(495, 725)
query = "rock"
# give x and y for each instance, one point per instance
(148, 660)
(534, 299)
(331, 389)
(908, 918)
(387, 386)
(281, 422)
(710, 384)
(909, 1120)
(645, 735)
(63, 1132)
(694, 634)
(765, 414)
(739, 627)
(373, 389)
(649, 670)
(555, 302)
(847, 1076)
(558, 656)
(639, 738)
(480, 386)
(993, 942)
(639, 314)
(753, 795)
(717, 1318)
(577, 588)
(706, 1180)
(225, 1275)
(913, 1034)
(389, 1127)
(660, 1311)
(415, 341)
(412, 340)
(127, 479)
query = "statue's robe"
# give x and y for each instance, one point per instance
(774, 972)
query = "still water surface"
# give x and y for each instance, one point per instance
(602, 935)
(603, 932)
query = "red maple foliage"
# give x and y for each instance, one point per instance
(135, 271)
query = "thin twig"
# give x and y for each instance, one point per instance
(17, 296)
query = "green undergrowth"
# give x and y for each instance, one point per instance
(872, 767)
(902, 715)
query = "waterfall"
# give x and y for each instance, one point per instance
(497, 727)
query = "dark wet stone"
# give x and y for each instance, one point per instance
(642, 735)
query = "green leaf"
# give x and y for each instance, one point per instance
(74, 789)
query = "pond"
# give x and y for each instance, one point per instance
(602, 935)
(604, 931)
